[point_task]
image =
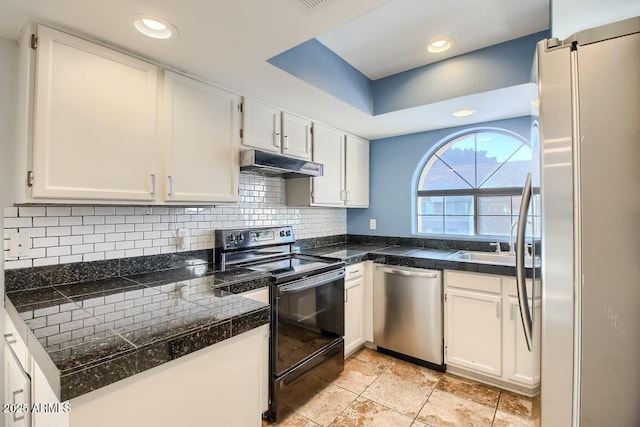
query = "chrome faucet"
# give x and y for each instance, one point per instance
(512, 250)
(497, 245)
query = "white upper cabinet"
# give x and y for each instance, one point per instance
(94, 118)
(267, 128)
(296, 136)
(328, 149)
(261, 126)
(357, 172)
(93, 128)
(345, 176)
(201, 137)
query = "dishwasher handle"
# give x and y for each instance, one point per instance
(430, 275)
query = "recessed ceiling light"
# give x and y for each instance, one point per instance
(439, 44)
(154, 27)
(463, 113)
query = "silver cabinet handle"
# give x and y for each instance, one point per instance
(286, 142)
(343, 195)
(525, 313)
(153, 184)
(408, 273)
(170, 193)
(15, 393)
(276, 139)
(511, 311)
(498, 309)
(348, 195)
(346, 295)
(8, 340)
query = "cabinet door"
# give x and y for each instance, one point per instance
(17, 391)
(474, 331)
(328, 149)
(262, 295)
(520, 365)
(261, 126)
(296, 136)
(201, 135)
(353, 316)
(357, 172)
(94, 122)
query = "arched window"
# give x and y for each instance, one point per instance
(472, 185)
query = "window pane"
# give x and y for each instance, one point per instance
(494, 205)
(461, 156)
(430, 224)
(441, 177)
(494, 225)
(492, 149)
(430, 205)
(462, 225)
(513, 172)
(458, 205)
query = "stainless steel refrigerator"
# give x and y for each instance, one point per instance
(586, 138)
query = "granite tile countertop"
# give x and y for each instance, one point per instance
(410, 256)
(90, 334)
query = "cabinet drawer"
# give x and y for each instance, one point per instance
(354, 271)
(510, 287)
(473, 281)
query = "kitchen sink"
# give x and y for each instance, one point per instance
(504, 258)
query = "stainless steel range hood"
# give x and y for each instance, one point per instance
(274, 164)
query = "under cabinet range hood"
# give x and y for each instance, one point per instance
(274, 164)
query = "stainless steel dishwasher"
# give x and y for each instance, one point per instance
(407, 314)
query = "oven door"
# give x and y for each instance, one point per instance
(309, 316)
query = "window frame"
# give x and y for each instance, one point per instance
(476, 193)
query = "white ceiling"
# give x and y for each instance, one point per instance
(399, 32)
(228, 42)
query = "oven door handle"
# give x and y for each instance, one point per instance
(310, 283)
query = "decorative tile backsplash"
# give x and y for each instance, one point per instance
(66, 234)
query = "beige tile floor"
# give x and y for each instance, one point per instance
(378, 390)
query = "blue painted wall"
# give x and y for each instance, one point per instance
(319, 66)
(502, 65)
(393, 163)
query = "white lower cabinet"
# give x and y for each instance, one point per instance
(483, 331)
(520, 365)
(474, 333)
(218, 385)
(262, 295)
(354, 308)
(17, 391)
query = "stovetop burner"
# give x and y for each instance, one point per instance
(269, 250)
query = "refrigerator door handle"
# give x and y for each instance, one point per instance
(525, 313)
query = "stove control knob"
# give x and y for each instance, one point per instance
(288, 232)
(282, 234)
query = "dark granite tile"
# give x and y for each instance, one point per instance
(331, 240)
(34, 296)
(250, 321)
(236, 275)
(249, 285)
(90, 350)
(372, 240)
(305, 243)
(396, 250)
(84, 271)
(164, 351)
(40, 309)
(103, 286)
(144, 264)
(159, 320)
(27, 278)
(171, 275)
(83, 381)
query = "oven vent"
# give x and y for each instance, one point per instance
(312, 4)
